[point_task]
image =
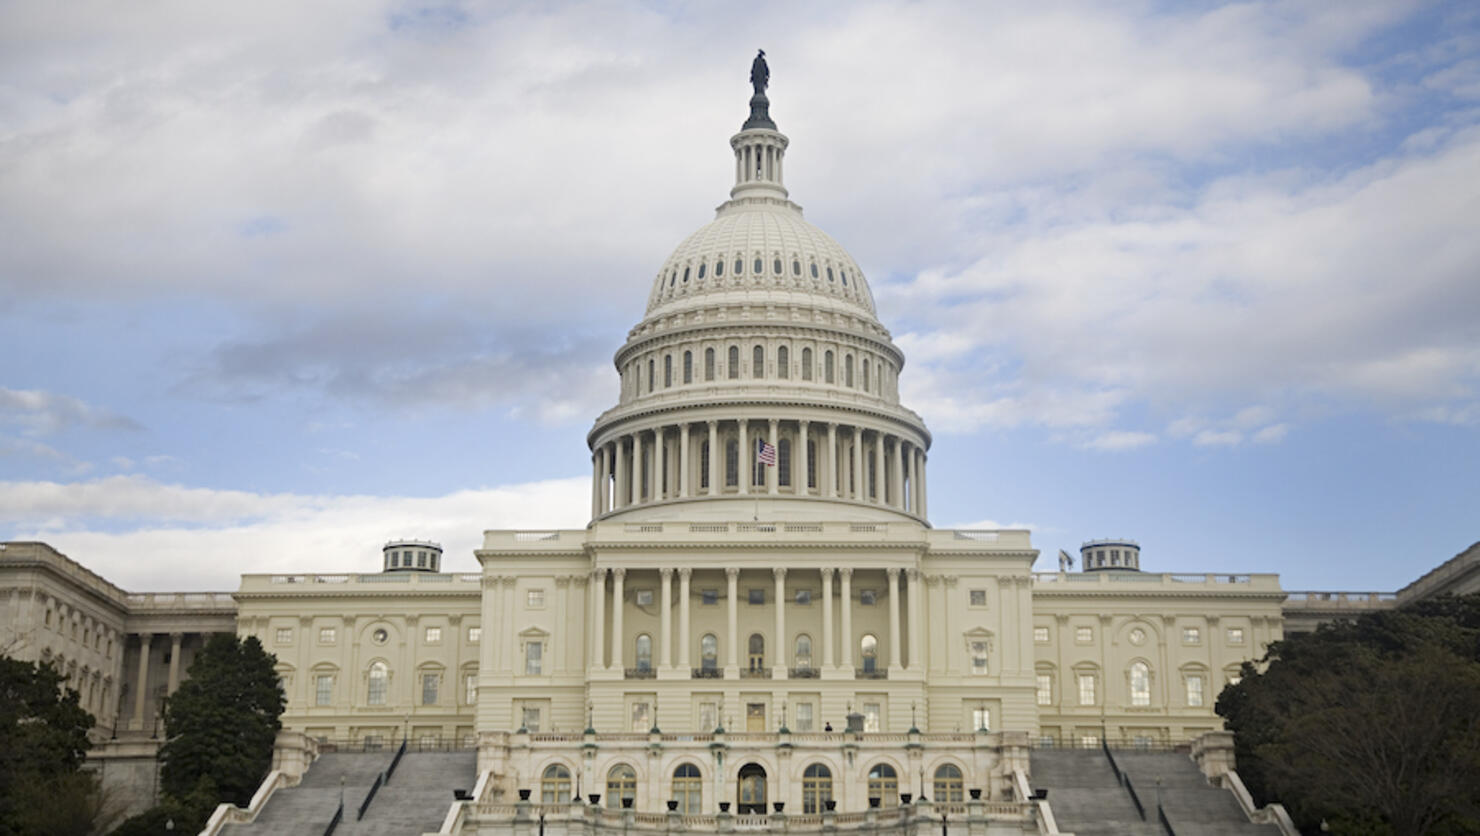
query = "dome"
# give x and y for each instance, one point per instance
(759, 252)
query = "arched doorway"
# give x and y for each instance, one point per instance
(752, 789)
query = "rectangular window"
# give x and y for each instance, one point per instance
(470, 688)
(434, 635)
(1040, 635)
(529, 718)
(534, 599)
(978, 657)
(978, 597)
(1086, 689)
(1191, 635)
(429, 689)
(644, 597)
(868, 597)
(323, 689)
(1235, 635)
(709, 597)
(870, 716)
(804, 717)
(981, 718)
(803, 597)
(1194, 690)
(326, 635)
(534, 653)
(756, 596)
(284, 635)
(1045, 689)
(641, 717)
(1084, 635)
(475, 634)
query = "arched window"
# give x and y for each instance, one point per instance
(380, 676)
(686, 275)
(708, 652)
(667, 370)
(644, 652)
(733, 372)
(1140, 684)
(732, 463)
(868, 648)
(776, 265)
(864, 387)
(783, 363)
(796, 267)
(621, 783)
(688, 788)
(758, 265)
(816, 788)
(814, 269)
(803, 653)
(757, 648)
(806, 364)
(883, 784)
(555, 785)
(701, 269)
(811, 464)
(758, 362)
(709, 364)
(848, 370)
(829, 274)
(688, 367)
(739, 266)
(652, 375)
(827, 367)
(783, 462)
(948, 784)
(704, 464)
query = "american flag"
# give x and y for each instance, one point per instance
(767, 455)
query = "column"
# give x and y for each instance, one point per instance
(845, 600)
(665, 649)
(595, 484)
(801, 460)
(830, 477)
(894, 636)
(606, 484)
(619, 639)
(660, 463)
(683, 460)
(779, 573)
(924, 505)
(732, 659)
(773, 474)
(857, 486)
(896, 476)
(714, 456)
(176, 639)
(746, 458)
(598, 618)
(827, 618)
(619, 482)
(142, 684)
(879, 481)
(912, 594)
(636, 469)
(915, 481)
(685, 660)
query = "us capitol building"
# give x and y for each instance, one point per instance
(789, 639)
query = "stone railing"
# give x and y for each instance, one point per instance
(1304, 600)
(180, 601)
(1078, 581)
(571, 817)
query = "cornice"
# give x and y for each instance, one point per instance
(752, 328)
(614, 418)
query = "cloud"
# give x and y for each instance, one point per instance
(38, 413)
(1213, 438)
(144, 535)
(1117, 440)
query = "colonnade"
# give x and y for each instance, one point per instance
(904, 646)
(141, 680)
(672, 461)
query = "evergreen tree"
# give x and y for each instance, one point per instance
(221, 723)
(43, 740)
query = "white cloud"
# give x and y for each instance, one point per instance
(39, 413)
(143, 535)
(1212, 438)
(1117, 440)
(1272, 434)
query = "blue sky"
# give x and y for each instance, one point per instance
(279, 282)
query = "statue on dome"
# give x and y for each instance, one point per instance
(760, 74)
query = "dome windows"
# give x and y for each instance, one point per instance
(733, 372)
(702, 265)
(719, 268)
(845, 277)
(759, 266)
(685, 275)
(806, 364)
(776, 266)
(783, 363)
(758, 363)
(739, 266)
(672, 278)
(796, 267)
(829, 274)
(814, 269)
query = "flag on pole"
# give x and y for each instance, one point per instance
(1065, 561)
(768, 454)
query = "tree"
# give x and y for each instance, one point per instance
(221, 723)
(1372, 725)
(43, 740)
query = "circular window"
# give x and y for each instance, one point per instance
(379, 636)
(1138, 636)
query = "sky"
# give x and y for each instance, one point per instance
(280, 281)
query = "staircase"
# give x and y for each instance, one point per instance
(1087, 800)
(307, 809)
(418, 796)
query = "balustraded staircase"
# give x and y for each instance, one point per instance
(1086, 797)
(418, 796)
(307, 809)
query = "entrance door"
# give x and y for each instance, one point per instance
(752, 789)
(755, 717)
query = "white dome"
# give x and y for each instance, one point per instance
(796, 259)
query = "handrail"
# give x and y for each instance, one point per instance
(1124, 779)
(395, 759)
(1161, 814)
(338, 817)
(370, 796)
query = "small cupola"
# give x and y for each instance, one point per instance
(1098, 555)
(412, 556)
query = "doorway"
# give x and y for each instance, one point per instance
(752, 789)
